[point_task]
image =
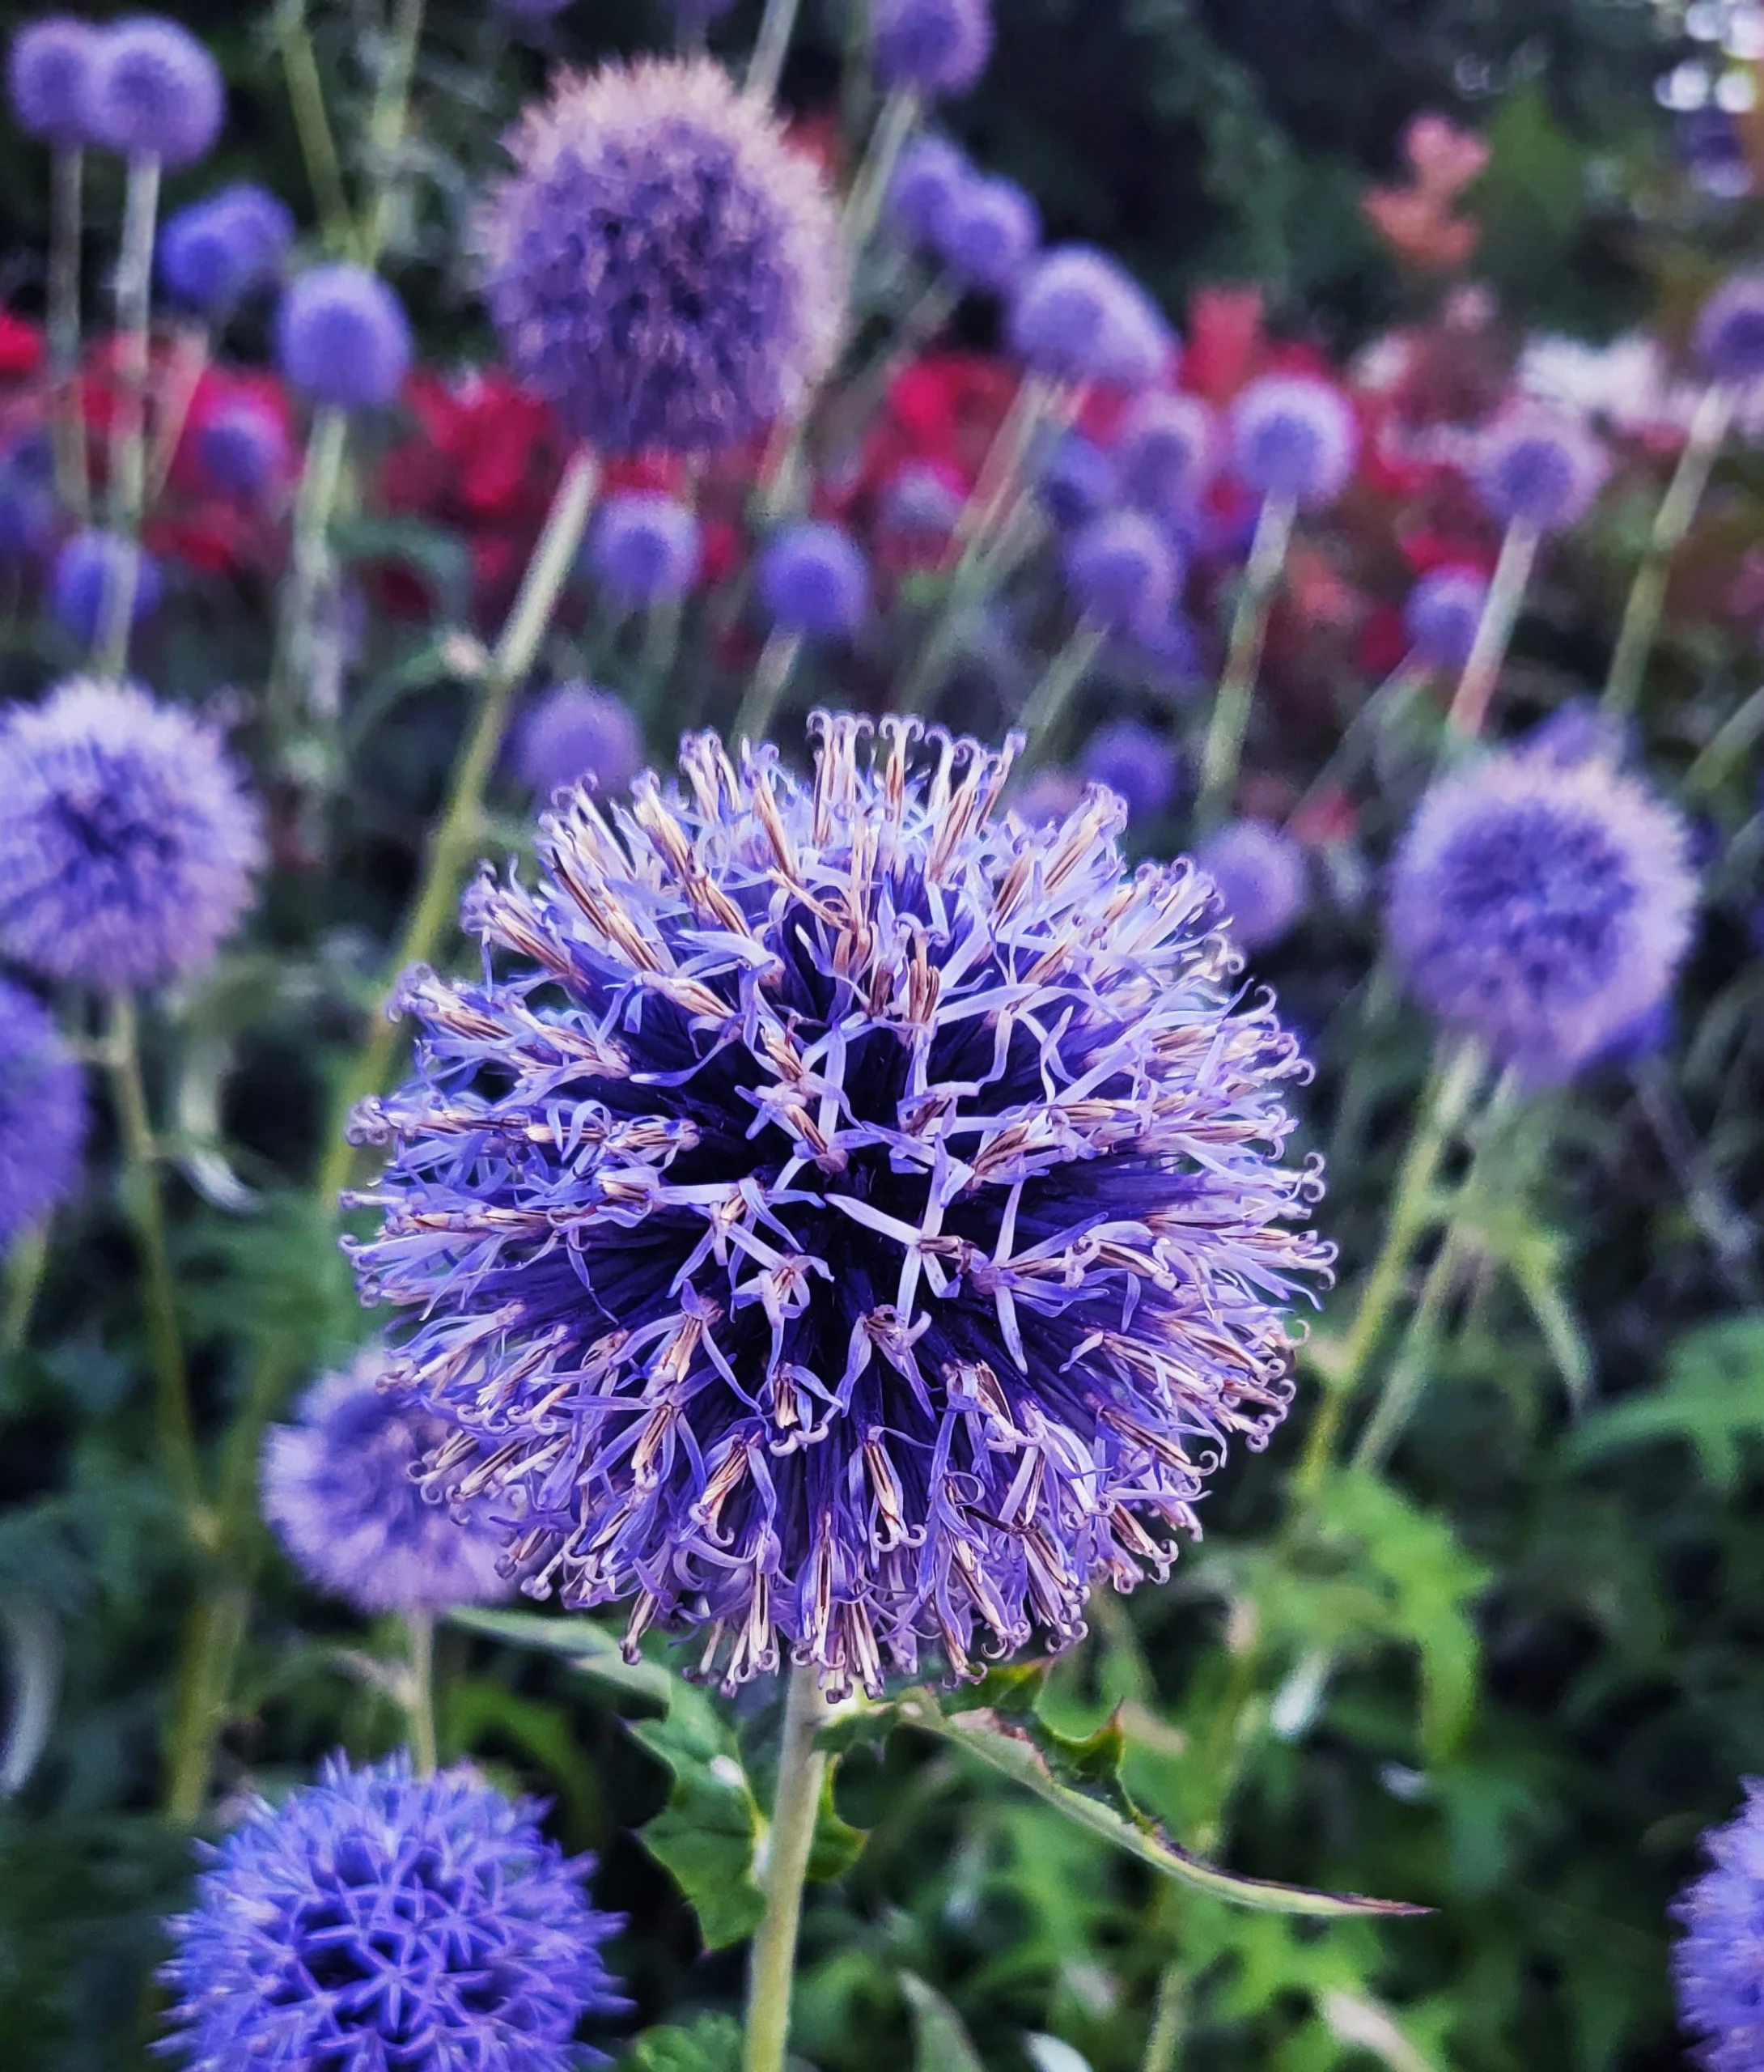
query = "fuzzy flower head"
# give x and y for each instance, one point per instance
(1259, 870)
(1293, 436)
(42, 1113)
(87, 565)
(336, 1489)
(1541, 906)
(1729, 339)
(216, 251)
(154, 92)
(1717, 1964)
(1122, 572)
(931, 174)
(1540, 468)
(377, 1919)
(664, 268)
(50, 71)
(1139, 765)
(987, 233)
(1167, 451)
(855, 1220)
(342, 337)
(576, 733)
(645, 547)
(1441, 613)
(814, 580)
(1077, 481)
(1077, 316)
(932, 47)
(128, 848)
(243, 447)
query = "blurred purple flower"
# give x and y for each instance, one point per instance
(243, 449)
(1539, 468)
(49, 73)
(1049, 797)
(576, 732)
(645, 546)
(217, 250)
(932, 47)
(1729, 339)
(1716, 1963)
(1140, 766)
(1078, 481)
(931, 172)
(1122, 572)
(42, 1113)
(987, 232)
(1077, 316)
(813, 579)
(1441, 613)
(1261, 874)
(85, 566)
(342, 337)
(1167, 451)
(1293, 436)
(154, 92)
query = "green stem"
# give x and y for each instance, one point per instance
(1671, 521)
(205, 1683)
(321, 479)
(1737, 734)
(25, 1263)
(770, 679)
(801, 1770)
(1044, 716)
(67, 179)
(306, 96)
(419, 1698)
(887, 139)
(1494, 630)
(776, 29)
(127, 438)
(386, 129)
(1222, 751)
(1387, 704)
(449, 845)
(1164, 2042)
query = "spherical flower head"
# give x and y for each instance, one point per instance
(868, 1331)
(128, 848)
(1293, 436)
(931, 173)
(87, 565)
(1140, 766)
(1049, 797)
(42, 1113)
(664, 268)
(1441, 613)
(576, 733)
(28, 505)
(156, 92)
(1259, 870)
(645, 546)
(814, 580)
(988, 233)
(376, 1919)
(1716, 1963)
(1122, 572)
(1729, 338)
(932, 47)
(1077, 481)
(1541, 906)
(342, 337)
(50, 72)
(923, 500)
(1579, 732)
(216, 251)
(1167, 451)
(338, 1489)
(1540, 468)
(1078, 317)
(243, 449)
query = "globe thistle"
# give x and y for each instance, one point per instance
(1716, 1963)
(154, 92)
(50, 72)
(1077, 481)
(1167, 451)
(1259, 870)
(127, 846)
(27, 507)
(576, 733)
(1441, 613)
(1049, 797)
(337, 1489)
(932, 47)
(1122, 572)
(931, 173)
(987, 233)
(1293, 436)
(1729, 338)
(814, 580)
(86, 566)
(216, 251)
(42, 1113)
(1539, 468)
(923, 500)
(1078, 317)
(342, 337)
(1579, 732)
(856, 1219)
(1541, 906)
(663, 267)
(645, 547)
(377, 1919)
(1140, 766)
(243, 447)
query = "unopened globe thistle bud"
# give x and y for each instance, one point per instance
(576, 733)
(50, 72)
(1259, 870)
(342, 337)
(1441, 613)
(1540, 468)
(1293, 436)
(243, 447)
(813, 579)
(987, 232)
(931, 173)
(932, 47)
(156, 92)
(86, 566)
(1078, 316)
(1122, 572)
(1136, 763)
(216, 251)
(645, 546)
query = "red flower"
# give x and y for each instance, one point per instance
(21, 348)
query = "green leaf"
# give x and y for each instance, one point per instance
(836, 1844)
(1713, 1397)
(476, 1706)
(940, 2038)
(442, 559)
(712, 2043)
(706, 1835)
(585, 1646)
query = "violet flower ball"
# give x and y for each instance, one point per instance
(1715, 1964)
(1441, 613)
(85, 567)
(1166, 450)
(1121, 572)
(50, 72)
(1295, 437)
(930, 175)
(1077, 481)
(1078, 317)
(243, 449)
(932, 47)
(1540, 468)
(987, 232)
(342, 337)
(1729, 338)
(813, 581)
(42, 1113)
(214, 252)
(154, 92)
(1260, 871)
(645, 547)
(1138, 764)
(575, 734)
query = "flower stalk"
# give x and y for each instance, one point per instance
(68, 423)
(1222, 751)
(127, 441)
(802, 1771)
(1494, 630)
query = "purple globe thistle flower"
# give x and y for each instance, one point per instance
(1540, 907)
(342, 337)
(49, 78)
(813, 579)
(243, 449)
(932, 47)
(987, 233)
(85, 566)
(931, 173)
(878, 1237)
(1260, 871)
(1539, 468)
(1078, 317)
(1049, 798)
(1293, 436)
(1077, 482)
(1122, 572)
(337, 1489)
(42, 1113)
(1578, 732)
(27, 506)
(376, 1919)
(1167, 451)
(575, 732)
(1441, 613)
(663, 267)
(1715, 1964)
(1729, 339)
(216, 251)
(127, 846)
(645, 546)
(1140, 766)
(154, 92)
(923, 500)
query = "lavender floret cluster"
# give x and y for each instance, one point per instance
(645, 547)
(217, 250)
(342, 337)
(42, 1113)
(576, 734)
(154, 92)
(1078, 316)
(855, 1220)
(1718, 1963)
(932, 47)
(50, 72)
(1293, 436)
(814, 580)
(1542, 469)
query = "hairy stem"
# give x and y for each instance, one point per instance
(128, 437)
(1222, 752)
(801, 1770)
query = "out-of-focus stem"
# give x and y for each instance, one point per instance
(1736, 735)
(321, 477)
(789, 1840)
(67, 423)
(1044, 715)
(1165, 2039)
(1494, 630)
(204, 1681)
(1222, 751)
(419, 1694)
(770, 679)
(306, 96)
(776, 29)
(127, 438)
(386, 129)
(863, 205)
(25, 1261)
